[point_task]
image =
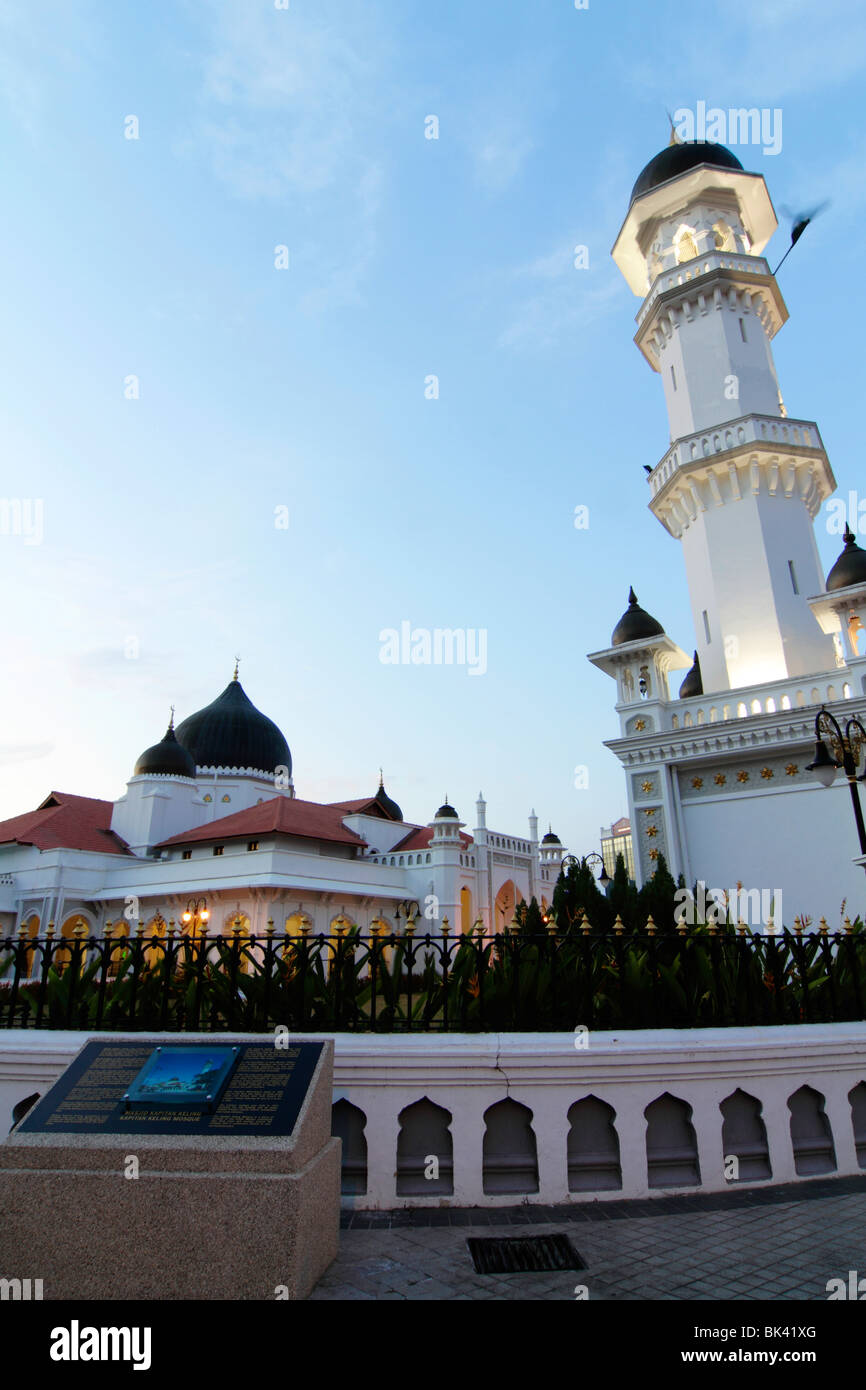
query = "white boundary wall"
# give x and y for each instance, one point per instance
(465, 1074)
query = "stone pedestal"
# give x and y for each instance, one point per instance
(207, 1217)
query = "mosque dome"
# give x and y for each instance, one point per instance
(446, 812)
(165, 759)
(850, 568)
(551, 839)
(232, 733)
(386, 803)
(635, 623)
(678, 159)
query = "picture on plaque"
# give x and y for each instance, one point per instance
(182, 1076)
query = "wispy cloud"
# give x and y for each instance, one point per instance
(290, 103)
(760, 54)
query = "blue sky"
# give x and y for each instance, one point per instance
(305, 388)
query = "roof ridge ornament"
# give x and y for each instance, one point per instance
(237, 664)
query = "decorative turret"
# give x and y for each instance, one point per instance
(446, 826)
(850, 568)
(692, 685)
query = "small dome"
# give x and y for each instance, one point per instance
(678, 159)
(635, 623)
(446, 812)
(165, 759)
(232, 733)
(383, 800)
(551, 839)
(850, 568)
(693, 684)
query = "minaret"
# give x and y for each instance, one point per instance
(741, 482)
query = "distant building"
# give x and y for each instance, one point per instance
(209, 832)
(616, 839)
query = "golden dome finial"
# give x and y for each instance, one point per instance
(171, 719)
(675, 139)
(237, 664)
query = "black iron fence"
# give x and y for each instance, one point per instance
(695, 977)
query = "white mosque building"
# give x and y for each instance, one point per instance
(717, 772)
(209, 832)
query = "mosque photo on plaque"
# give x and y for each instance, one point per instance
(182, 1076)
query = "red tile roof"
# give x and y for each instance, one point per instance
(282, 815)
(420, 839)
(64, 821)
(368, 803)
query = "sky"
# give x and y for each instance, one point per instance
(232, 264)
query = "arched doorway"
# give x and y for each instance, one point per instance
(503, 909)
(467, 911)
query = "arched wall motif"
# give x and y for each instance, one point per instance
(510, 1152)
(593, 1147)
(857, 1097)
(348, 1123)
(744, 1137)
(811, 1135)
(425, 1151)
(671, 1144)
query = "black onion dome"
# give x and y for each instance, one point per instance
(165, 759)
(850, 568)
(678, 159)
(232, 733)
(693, 683)
(634, 623)
(551, 839)
(386, 804)
(446, 812)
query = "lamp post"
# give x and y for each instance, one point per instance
(585, 862)
(846, 748)
(196, 915)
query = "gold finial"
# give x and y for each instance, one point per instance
(381, 781)
(171, 718)
(675, 139)
(237, 664)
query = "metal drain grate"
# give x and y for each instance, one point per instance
(492, 1255)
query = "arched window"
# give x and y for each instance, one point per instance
(686, 246)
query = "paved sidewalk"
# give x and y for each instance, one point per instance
(771, 1243)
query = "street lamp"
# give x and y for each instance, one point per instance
(196, 914)
(584, 863)
(846, 754)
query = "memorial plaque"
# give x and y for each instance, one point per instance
(126, 1087)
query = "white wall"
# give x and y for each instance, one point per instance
(547, 1073)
